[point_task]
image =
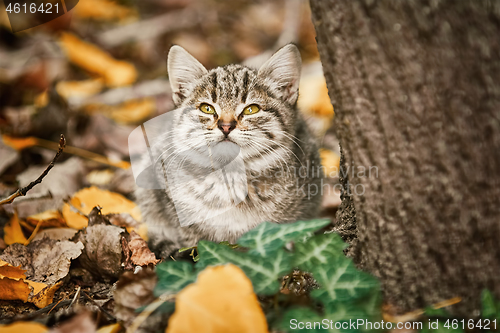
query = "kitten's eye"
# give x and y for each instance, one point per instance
(251, 109)
(207, 108)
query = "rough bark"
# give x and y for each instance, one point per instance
(415, 87)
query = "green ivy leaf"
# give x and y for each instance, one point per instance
(490, 306)
(264, 272)
(270, 237)
(339, 279)
(173, 276)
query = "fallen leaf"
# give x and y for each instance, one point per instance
(141, 254)
(48, 219)
(56, 234)
(81, 323)
(19, 143)
(133, 291)
(104, 10)
(221, 300)
(102, 255)
(95, 60)
(314, 96)
(45, 296)
(14, 286)
(13, 232)
(100, 177)
(86, 199)
(78, 90)
(330, 162)
(24, 326)
(9, 156)
(62, 181)
(128, 222)
(45, 260)
(114, 328)
(129, 112)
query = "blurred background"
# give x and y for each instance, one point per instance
(98, 71)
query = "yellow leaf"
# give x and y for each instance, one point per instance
(129, 112)
(314, 97)
(87, 198)
(19, 143)
(222, 300)
(14, 286)
(330, 162)
(114, 328)
(14, 289)
(24, 326)
(43, 294)
(95, 60)
(79, 89)
(104, 10)
(49, 218)
(13, 232)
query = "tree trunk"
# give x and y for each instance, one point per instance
(415, 87)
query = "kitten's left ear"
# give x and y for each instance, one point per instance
(282, 73)
(183, 69)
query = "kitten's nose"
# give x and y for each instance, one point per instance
(225, 127)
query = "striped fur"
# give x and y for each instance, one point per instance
(274, 143)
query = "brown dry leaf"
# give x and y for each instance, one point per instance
(102, 255)
(13, 232)
(330, 162)
(129, 112)
(9, 156)
(128, 222)
(105, 10)
(24, 326)
(133, 291)
(86, 199)
(141, 254)
(81, 323)
(95, 60)
(70, 90)
(45, 260)
(222, 300)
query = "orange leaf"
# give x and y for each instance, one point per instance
(86, 199)
(13, 232)
(95, 60)
(19, 143)
(24, 326)
(222, 300)
(48, 218)
(330, 162)
(45, 295)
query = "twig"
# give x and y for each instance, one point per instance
(22, 191)
(77, 294)
(148, 311)
(36, 196)
(110, 316)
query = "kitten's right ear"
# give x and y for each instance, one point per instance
(183, 70)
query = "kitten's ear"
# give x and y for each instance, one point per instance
(183, 69)
(282, 72)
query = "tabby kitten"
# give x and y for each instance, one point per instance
(237, 153)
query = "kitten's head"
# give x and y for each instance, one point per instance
(237, 105)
